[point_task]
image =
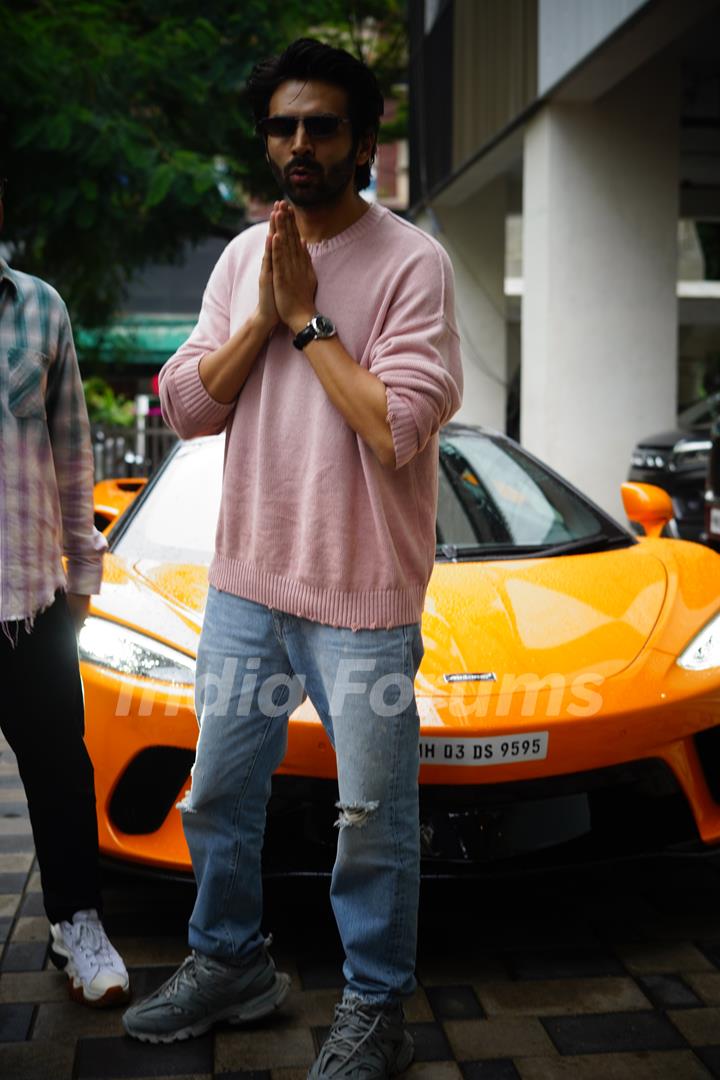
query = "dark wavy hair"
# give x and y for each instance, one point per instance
(308, 58)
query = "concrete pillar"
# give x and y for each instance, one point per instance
(473, 234)
(599, 321)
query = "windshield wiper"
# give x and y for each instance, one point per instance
(586, 544)
(472, 551)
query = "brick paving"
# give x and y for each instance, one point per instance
(601, 974)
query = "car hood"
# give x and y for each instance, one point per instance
(666, 439)
(164, 600)
(571, 615)
(574, 616)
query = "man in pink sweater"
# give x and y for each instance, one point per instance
(326, 350)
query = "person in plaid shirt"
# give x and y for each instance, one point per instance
(46, 512)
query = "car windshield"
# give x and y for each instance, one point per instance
(493, 499)
(175, 522)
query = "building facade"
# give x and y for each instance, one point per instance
(559, 150)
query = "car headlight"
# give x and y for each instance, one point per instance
(648, 459)
(703, 652)
(111, 645)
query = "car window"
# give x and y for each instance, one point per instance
(491, 493)
(176, 522)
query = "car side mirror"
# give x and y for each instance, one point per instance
(647, 505)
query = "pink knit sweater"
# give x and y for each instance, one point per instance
(311, 523)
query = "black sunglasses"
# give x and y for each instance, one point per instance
(321, 126)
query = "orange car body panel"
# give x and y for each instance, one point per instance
(583, 647)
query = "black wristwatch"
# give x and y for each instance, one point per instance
(318, 328)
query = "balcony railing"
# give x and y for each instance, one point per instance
(130, 451)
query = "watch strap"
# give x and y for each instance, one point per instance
(305, 336)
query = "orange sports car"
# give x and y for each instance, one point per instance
(569, 696)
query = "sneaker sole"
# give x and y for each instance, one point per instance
(113, 996)
(240, 1013)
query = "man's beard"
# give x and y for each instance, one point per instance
(327, 187)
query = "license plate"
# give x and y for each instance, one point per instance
(715, 520)
(494, 750)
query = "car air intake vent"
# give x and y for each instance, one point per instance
(707, 744)
(148, 789)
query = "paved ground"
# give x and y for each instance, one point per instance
(599, 975)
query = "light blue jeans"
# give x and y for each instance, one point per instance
(254, 666)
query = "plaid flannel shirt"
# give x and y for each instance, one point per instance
(46, 462)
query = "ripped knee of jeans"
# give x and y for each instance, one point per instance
(185, 805)
(355, 815)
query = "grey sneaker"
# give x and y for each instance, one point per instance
(366, 1042)
(204, 991)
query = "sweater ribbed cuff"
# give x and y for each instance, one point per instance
(194, 398)
(402, 428)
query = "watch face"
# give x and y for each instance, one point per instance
(324, 327)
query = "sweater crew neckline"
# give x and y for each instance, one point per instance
(370, 218)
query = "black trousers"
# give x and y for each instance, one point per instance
(42, 718)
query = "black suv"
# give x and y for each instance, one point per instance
(712, 495)
(678, 462)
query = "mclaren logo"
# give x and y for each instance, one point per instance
(471, 676)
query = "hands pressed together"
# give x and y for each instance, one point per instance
(287, 280)
(287, 287)
(286, 293)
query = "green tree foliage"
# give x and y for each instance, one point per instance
(105, 406)
(376, 32)
(123, 130)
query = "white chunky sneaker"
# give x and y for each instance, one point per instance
(95, 971)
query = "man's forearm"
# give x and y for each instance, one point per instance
(224, 371)
(356, 393)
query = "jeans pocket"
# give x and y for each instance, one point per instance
(27, 383)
